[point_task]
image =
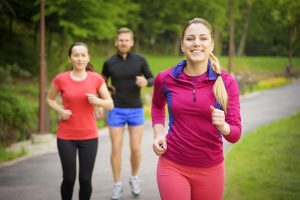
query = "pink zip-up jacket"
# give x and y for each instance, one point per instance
(192, 139)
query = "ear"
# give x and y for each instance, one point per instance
(181, 45)
(130, 44)
(212, 46)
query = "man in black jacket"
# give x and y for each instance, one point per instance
(128, 72)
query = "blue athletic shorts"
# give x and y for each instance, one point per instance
(121, 116)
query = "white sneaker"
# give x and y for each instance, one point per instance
(135, 184)
(117, 191)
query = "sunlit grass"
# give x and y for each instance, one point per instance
(258, 64)
(6, 155)
(265, 84)
(271, 82)
(265, 164)
(265, 72)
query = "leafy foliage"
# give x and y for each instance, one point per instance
(7, 73)
(16, 117)
(10, 155)
(94, 18)
(157, 26)
(271, 35)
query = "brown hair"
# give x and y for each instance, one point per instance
(219, 87)
(89, 66)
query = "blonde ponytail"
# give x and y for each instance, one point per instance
(219, 89)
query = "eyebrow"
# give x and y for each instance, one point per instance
(203, 34)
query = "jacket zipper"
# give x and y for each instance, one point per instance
(194, 89)
(194, 94)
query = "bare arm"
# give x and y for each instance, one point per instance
(52, 93)
(104, 100)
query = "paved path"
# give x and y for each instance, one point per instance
(39, 177)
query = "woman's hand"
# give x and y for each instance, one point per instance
(65, 114)
(99, 112)
(218, 119)
(159, 145)
(93, 99)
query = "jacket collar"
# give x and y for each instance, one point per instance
(212, 75)
(120, 56)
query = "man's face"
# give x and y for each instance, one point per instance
(124, 42)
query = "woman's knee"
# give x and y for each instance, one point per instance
(85, 181)
(135, 150)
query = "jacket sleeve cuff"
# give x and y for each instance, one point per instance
(235, 134)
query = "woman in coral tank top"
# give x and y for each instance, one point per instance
(81, 89)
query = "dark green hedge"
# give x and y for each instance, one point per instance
(17, 117)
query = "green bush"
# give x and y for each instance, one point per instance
(10, 155)
(16, 117)
(8, 71)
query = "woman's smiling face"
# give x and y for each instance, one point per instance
(79, 57)
(197, 42)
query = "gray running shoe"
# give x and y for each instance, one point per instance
(135, 184)
(116, 192)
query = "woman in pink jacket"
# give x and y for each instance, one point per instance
(203, 105)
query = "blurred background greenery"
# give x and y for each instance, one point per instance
(266, 45)
(266, 54)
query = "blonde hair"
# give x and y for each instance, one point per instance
(125, 30)
(219, 89)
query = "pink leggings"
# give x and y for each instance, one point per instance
(179, 182)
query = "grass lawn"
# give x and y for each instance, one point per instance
(257, 65)
(265, 164)
(9, 155)
(262, 72)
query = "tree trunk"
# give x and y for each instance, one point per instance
(137, 45)
(292, 39)
(290, 47)
(4, 4)
(218, 43)
(10, 27)
(241, 49)
(43, 73)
